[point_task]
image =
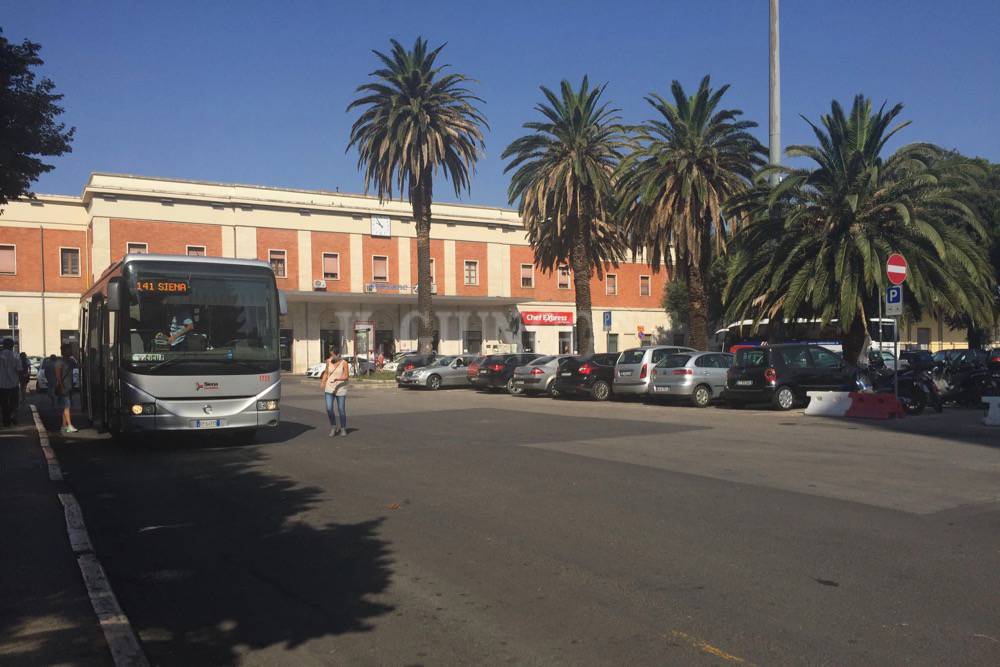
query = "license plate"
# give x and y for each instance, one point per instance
(658, 388)
(483, 372)
(744, 383)
(566, 373)
(624, 374)
(208, 423)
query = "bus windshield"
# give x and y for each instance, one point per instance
(200, 319)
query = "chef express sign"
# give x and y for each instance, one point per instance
(546, 318)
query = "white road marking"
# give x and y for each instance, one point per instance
(55, 472)
(79, 538)
(122, 642)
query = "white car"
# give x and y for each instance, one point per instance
(316, 370)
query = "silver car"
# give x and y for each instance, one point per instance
(632, 372)
(538, 376)
(443, 372)
(696, 376)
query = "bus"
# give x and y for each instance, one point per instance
(745, 334)
(181, 343)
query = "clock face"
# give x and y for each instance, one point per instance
(380, 226)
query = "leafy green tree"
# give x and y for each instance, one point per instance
(688, 162)
(563, 181)
(817, 243)
(416, 120)
(28, 127)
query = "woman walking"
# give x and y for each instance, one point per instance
(334, 383)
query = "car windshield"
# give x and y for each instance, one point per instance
(542, 361)
(632, 356)
(206, 316)
(751, 358)
(445, 361)
(674, 361)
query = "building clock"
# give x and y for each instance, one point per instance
(380, 226)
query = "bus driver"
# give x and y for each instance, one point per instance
(181, 324)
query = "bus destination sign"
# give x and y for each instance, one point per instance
(162, 286)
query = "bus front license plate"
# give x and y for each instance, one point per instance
(208, 423)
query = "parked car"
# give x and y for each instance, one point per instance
(473, 368)
(538, 376)
(364, 366)
(412, 361)
(698, 377)
(591, 376)
(782, 374)
(883, 359)
(397, 359)
(497, 371)
(448, 371)
(633, 366)
(34, 362)
(917, 359)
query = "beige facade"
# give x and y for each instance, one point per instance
(114, 211)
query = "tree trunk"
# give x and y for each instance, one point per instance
(853, 341)
(580, 259)
(698, 317)
(420, 199)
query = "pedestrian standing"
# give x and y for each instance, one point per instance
(25, 376)
(48, 369)
(10, 380)
(65, 366)
(334, 384)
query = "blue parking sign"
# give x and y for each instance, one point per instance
(607, 320)
(894, 300)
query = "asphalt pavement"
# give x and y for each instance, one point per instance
(456, 528)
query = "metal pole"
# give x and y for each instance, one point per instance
(895, 348)
(774, 118)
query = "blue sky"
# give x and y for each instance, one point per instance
(255, 92)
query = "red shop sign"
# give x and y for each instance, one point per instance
(546, 318)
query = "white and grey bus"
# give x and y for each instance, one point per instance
(173, 343)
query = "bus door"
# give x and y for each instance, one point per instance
(94, 372)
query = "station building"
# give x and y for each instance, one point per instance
(346, 263)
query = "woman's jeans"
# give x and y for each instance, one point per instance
(341, 408)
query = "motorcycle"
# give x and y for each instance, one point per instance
(965, 384)
(916, 387)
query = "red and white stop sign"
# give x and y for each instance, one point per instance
(895, 267)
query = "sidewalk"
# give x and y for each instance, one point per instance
(46, 617)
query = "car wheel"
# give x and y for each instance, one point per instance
(434, 382)
(701, 396)
(600, 391)
(550, 388)
(512, 388)
(784, 398)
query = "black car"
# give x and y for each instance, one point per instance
(497, 371)
(920, 360)
(411, 361)
(782, 374)
(590, 376)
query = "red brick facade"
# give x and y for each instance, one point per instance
(172, 238)
(332, 242)
(281, 239)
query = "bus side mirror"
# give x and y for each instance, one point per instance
(116, 295)
(282, 303)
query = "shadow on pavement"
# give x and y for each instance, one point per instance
(211, 555)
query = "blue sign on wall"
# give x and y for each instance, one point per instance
(607, 320)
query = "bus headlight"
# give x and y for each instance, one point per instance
(144, 409)
(269, 405)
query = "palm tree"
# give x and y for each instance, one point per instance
(563, 182)
(817, 243)
(687, 164)
(415, 120)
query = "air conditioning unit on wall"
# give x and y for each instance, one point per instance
(371, 288)
(319, 284)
